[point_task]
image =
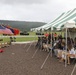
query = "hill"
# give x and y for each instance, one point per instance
(22, 25)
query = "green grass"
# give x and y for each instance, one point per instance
(20, 39)
(23, 39)
(32, 33)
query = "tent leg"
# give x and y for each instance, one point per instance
(35, 53)
(45, 60)
(29, 47)
(51, 41)
(66, 50)
(73, 70)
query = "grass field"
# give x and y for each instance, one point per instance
(32, 36)
(21, 39)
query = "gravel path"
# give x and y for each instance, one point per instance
(16, 61)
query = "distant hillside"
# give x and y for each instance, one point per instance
(22, 25)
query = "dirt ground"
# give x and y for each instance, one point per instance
(17, 60)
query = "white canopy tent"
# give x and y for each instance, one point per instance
(65, 21)
(61, 20)
(60, 23)
(69, 24)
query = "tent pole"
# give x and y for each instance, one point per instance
(73, 70)
(45, 60)
(41, 37)
(29, 47)
(51, 41)
(35, 52)
(66, 50)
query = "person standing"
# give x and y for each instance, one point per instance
(55, 36)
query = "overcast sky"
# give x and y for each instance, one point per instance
(34, 10)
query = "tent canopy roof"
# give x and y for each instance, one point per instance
(67, 17)
(70, 24)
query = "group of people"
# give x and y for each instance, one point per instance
(65, 52)
(58, 46)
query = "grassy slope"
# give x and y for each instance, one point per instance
(22, 25)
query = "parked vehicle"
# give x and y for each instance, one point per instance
(39, 33)
(24, 33)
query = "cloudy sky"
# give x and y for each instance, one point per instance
(34, 10)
